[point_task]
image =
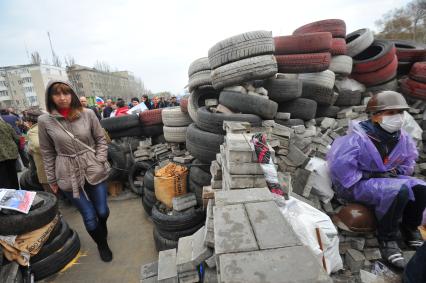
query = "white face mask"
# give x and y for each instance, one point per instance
(392, 123)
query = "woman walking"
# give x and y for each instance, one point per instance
(74, 150)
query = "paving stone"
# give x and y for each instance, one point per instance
(368, 277)
(223, 198)
(223, 109)
(236, 127)
(372, 254)
(216, 170)
(149, 270)
(208, 192)
(243, 181)
(232, 232)
(357, 243)
(183, 159)
(208, 238)
(153, 279)
(211, 261)
(296, 156)
(244, 168)
(292, 264)
(236, 89)
(344, 247)
(300, 129)
(354, 260)
(282, 131)
(167, 271)
(300, 182)
(270, 227)
(216, 184)
(211, 102)
(372, 243)
(199, 251)
(184, 202)
(268, 123)
(184, 255)
(189, 277)
(328, 123)
(210, 275)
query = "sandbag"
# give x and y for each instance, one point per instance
(170, 181)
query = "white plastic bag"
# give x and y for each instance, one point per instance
(320, 180)
(411, 127)
(305, 219)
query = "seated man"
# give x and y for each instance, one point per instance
(372, 165)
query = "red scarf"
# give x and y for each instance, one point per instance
(64, 112)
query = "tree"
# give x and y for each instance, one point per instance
(56, 61)
(406, 23)
(35, 58)
(69, 61)
(102, 66)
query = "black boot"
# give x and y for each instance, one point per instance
(412, 237)
(103, 223)
(99, 236)
(392, 254)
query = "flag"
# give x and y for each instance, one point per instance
(99, 100)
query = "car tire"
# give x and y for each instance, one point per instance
(201, 64)
(378, 77)
(120, 123)
(151, 117)
(358, 41)
(300, 108)
(303, 63)
(341, 65)
(178, 221)
(282, 90)
(161, 243)
(303, 43)
(197, 99)
(203, 145)
(338, 46)
(335, 26)
(175, 134)
(378, 55)
(174, 117)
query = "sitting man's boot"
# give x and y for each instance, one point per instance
(99, 236)
(392, 254)
(412, 237)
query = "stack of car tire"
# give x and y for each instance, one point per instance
(414, 86)
(175, 124)
(60, 248)
(408, 53)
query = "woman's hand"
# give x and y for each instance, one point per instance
(54, 187)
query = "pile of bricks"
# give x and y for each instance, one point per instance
(245, 235)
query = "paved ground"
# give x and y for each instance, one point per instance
(130, 239)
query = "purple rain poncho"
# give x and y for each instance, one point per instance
(354, 153)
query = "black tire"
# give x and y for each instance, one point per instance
(348, 98)
(249, 69)
(290, 122)
(161, 243)
(249, 104)
(321, 95)
(17, 224)
(241, 46)
(175, 235)
(136, 169)
(198, 65)
(199, 176)
(197, 189)
(152, 131)
(56, 243)
(282, 90)
(148, 180)
(404, 68)
(300, 108)
(58, 260)
(150, 196)
(177, 222)
(118, 124)
(202, 165)
(136, 131)
(200, 79)
(203, 145)
(147, 206)
(213, 122)
(197, 99)
(55, 232)
(117, 159)
(158, 139)
(327, 111)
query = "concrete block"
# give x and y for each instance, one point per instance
(300, 182)
(359, 108)
(211, 261)
(184, 255)
(184, 202)
(292, 264)
(328, 123)
(354, 260)
(300, 129)
(268, 123)
(216, 170)
(357, 243)
(296, 156)
(244, 181)
(208, 192)
(167, 271)
(372, 254)
(223, 198)
(270, 227)
(233, 232)
(219, 158)
(232, 127)
(189, 277)
(236, 89)
(210, 275)
(208, 238)
(183, 159)
(149, 270)
(244, 168)
(282, 131)
(283, 116)
(216, 184)
(372, 243)
(223, 109)
(199, 251)
(344, 113)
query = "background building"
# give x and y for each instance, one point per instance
(23, 86)
(92, 82)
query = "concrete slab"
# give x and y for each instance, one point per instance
(223, 198)
(232, 231)
(184, 255)
(292, 264)
(200, 252)
(270, 227)
(167, 271)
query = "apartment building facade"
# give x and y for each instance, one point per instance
(23, 86)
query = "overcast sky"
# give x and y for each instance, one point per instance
(157, 40)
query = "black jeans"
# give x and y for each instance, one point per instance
(416, 267)
(8, 174)
(402, 208)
